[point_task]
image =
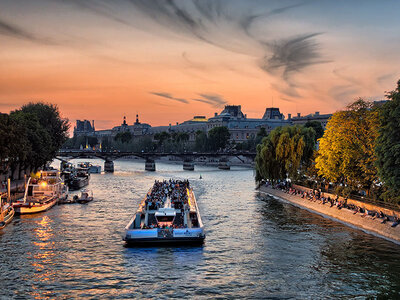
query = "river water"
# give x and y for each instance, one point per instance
(256, 247)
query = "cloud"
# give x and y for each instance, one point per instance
(11, 30)
(170, 97)
(343, 93)
(213, 99)
(209, 20)
(98, 8)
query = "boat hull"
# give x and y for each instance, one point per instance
(23, 208)
(165, 241)
(78, 184)
(158, 236)
(7, 219)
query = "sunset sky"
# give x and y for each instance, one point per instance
(171, 60)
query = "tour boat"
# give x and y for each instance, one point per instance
(168, 214)
(6, 214)
(85, 196)
(41, 193)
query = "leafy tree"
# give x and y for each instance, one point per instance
(284, 152)
(262, 132)
(218, 138)
(201, 142)
(13, 144)
(346, 151)
(50, 119)
(124, 137)
(319, 131)
(388, 144)
(36, 150)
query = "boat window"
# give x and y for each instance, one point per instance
(165, 218)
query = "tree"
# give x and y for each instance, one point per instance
(201, 142)
(346, 150)
(284, 152)
(218, 138)
(50, 119)
(124, 137)
(388, 144)
(36, 150)
(319, 131)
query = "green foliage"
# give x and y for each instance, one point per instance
(319, 131)
(346, 151)
(123, 137)
(51, 121)
(284, 152)
(388, 145)
(31, 136)
(201, 142)
(218, 138)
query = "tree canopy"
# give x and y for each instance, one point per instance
(346, 151)
(319, 131)
(218, 138)
(283, 152)
(31, 136)
(388, 143)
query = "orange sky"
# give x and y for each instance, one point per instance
(102, 61)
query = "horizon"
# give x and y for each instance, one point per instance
(169, 61)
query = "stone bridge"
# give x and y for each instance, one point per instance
(150, 157)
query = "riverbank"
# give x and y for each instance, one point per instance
(344, 216)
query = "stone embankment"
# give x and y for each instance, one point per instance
(345, 216)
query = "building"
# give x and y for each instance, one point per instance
(242, 128)
(301, 120)
(137, 129)
(84, 128)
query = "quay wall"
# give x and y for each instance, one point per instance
(344, 216)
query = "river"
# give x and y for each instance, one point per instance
(256, 247)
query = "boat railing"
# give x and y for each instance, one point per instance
(197, 211)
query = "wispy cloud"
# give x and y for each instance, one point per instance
(212, 99)
(14, 31)
(170, 97)
(207, 19)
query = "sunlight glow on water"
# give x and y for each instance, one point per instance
(255, 247)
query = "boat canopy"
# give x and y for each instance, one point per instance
(165, 215)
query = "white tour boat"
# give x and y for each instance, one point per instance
(42, 193)
(168, 214)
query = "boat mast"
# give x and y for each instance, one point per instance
(1, 210)
(26, 189)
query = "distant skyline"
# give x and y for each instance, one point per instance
(170, 60)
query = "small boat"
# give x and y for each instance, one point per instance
(85, 197)
(94, 169)
(41, 193)
(6, 214)
(168, 214)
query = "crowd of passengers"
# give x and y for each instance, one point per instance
(318, 196)
(176, 190)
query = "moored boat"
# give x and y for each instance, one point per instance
(41, 193)
(80, 179)
(85, 197)
(168, 214)
(6, 214)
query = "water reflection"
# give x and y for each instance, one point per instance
(256, 247)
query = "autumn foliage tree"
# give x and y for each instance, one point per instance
(347, 149)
